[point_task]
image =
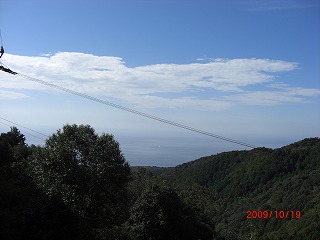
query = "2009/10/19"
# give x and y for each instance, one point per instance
(273, 213)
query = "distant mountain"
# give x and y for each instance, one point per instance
(284, 182)
(153, 169)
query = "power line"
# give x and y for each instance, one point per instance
(24, 130)
(23, 127)
(135, 111)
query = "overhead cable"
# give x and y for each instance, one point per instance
(24, 130)
(135, 111)
(24, 127)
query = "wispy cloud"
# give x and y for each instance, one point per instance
(288, 95)
(10, 95)
(156, 86)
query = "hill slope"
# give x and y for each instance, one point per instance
(285, 179)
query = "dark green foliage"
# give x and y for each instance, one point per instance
(78, 186)
(159, 214)
(25, 212)
(88, 172)
(12, 147)
(162, 210)
(287, 178)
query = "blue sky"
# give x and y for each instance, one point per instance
(248, 70)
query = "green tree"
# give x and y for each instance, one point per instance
(159, 214)
(88, 172)
(25, 212)
(12, 147)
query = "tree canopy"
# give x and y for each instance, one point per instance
(88, 172)
(283, 179)
(80, 186)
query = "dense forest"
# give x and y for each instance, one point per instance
(80, 186)
(285, 179)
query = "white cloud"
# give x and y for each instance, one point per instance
(9, 95)
(151, 85)
(288, 95)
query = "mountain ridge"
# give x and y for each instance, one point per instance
(282, 179)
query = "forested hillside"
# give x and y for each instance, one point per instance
(284, 179)
(80, 186)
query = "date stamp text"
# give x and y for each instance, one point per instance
(278, 214)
